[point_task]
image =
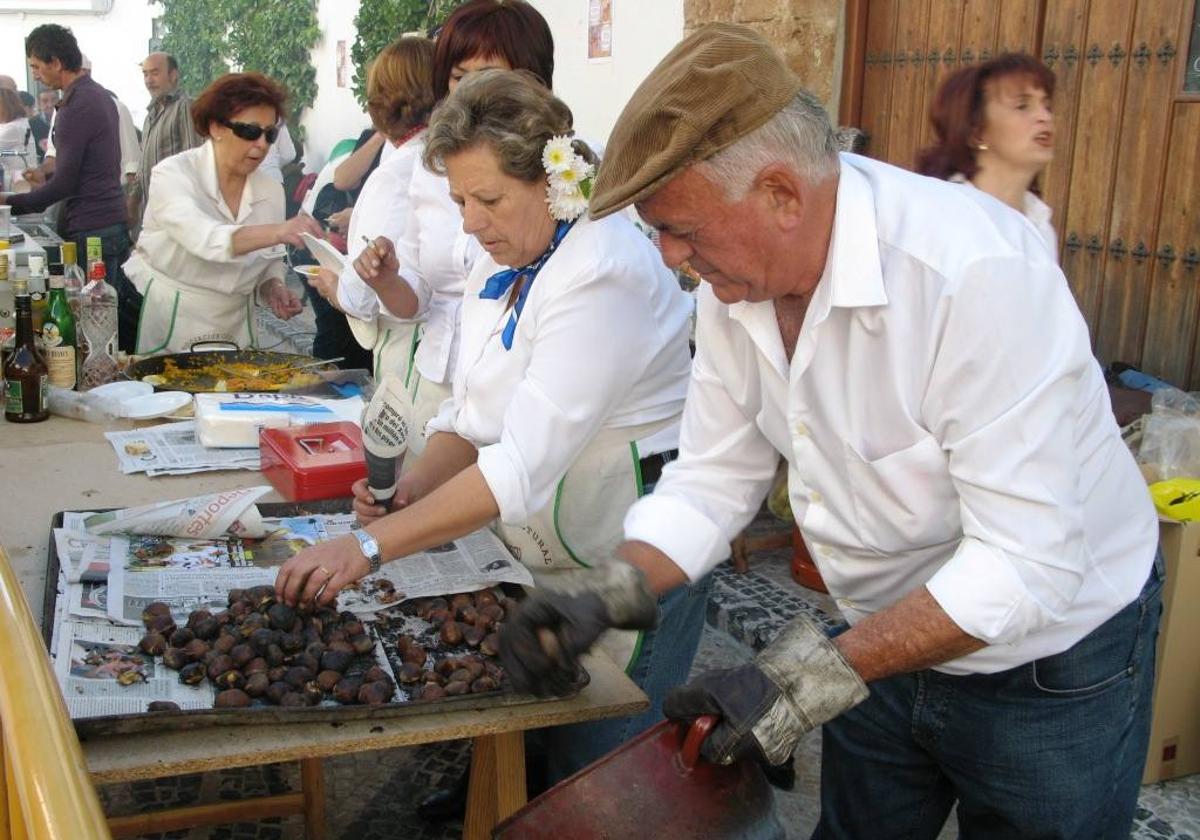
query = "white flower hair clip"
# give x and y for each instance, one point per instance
(569, 179)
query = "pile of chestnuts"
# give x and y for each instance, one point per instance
(260, 649)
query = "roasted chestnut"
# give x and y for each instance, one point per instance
(451, 633)
(181, 637)
(281, 616)
(233, 698)
(336, 660)
(255, 665)
(375, 693)
(218, 666)
(410, 673)
(195, 617)
(490, 644)
(296, 677)
(328, 680)
(376, 674)
(262, 639)
(293, 698)
(432, 691)
(484, 684)
(241, 654)
(415, 654)
(362, 644)
(304, 660)
(313, 693)
(196, 649)
(225, 643)
(153, 644)
(175, 658)
(455, 688)
(154, 610)
(276, 692)
(473, 636)
(191, 674)
(257, 684)
(346, 691)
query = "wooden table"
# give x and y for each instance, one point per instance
(68, 465)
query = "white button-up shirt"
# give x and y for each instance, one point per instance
(1034, 209)
(435, 257)
(602, 343)
(383, 209)
(187, 232)
(944, 423)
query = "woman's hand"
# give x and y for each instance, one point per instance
(317, 574)
(340, 221)
(289, 232)
(325, 283)
(35, 176)
(377, 264)
(281, 300)
(366, 508)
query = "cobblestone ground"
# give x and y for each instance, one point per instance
(372, 796)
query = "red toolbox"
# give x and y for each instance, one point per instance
(318, 461)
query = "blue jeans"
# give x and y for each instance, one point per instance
(663, 662)
(1051, 749)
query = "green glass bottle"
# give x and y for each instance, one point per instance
(59, 337)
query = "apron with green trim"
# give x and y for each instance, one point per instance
(174, 316)
(428, 397)
(583, 523)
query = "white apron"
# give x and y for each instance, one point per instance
(428, 397)
(175, 316)
(583, 523)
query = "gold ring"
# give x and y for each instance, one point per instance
(328, 573)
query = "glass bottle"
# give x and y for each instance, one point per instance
(8, 315)
(73, 276)
(26, 378)
(37, 292)
(58, 337)
(98, 304)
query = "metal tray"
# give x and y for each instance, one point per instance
(328, 712)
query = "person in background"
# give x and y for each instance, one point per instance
(953, 466)
(87, 167)
(38, 125)
(399, 99)
(572, 372)
(209, 248)
(18, 150)
(994, 129)
(8, 83)
(167, 129)
(47, 101)
(281, 153)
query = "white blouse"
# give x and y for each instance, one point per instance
(435, 257)
(383, 209)
(15, 135)
(601, 344)
(187, 232)
(1034, 209)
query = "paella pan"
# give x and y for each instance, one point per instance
(218, 371)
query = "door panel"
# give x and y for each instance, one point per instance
(941, 57)
(1150, 81)
(877, 77)
(1063, 37)
(1097, 129)
(1171, 329)
(908, 81)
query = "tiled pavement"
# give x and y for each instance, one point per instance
(372, 796)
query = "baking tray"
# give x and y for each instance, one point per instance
(327, 712)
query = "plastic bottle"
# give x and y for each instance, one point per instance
(98, 305)
(77, 406)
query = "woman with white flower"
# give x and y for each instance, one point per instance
(570, 383)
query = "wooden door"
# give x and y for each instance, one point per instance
(1125, 181)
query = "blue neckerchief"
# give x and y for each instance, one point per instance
(500, 282)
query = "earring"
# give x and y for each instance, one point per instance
(982, 147)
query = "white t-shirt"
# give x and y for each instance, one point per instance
(944, 421)
(601, 344)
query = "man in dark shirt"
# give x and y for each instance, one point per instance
(87, 166)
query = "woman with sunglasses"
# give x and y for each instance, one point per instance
(213, 234)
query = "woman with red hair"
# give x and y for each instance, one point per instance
(995, 131)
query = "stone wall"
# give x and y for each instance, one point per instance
(808, 32)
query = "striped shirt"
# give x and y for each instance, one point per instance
(167, 131)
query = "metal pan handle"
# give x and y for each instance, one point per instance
(213, 344)
(689, 754)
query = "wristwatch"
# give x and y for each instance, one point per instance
(370, 549)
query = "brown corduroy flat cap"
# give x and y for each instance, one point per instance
(716, 86)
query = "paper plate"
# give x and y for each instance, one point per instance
(307, 270)
(120, 391)
(155, 405)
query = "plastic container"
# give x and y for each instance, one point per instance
(318, 461)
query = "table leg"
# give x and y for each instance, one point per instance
(497, 786)
(312, 783)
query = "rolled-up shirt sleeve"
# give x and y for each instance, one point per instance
(591, 343)
(1002, 400)
(724, 470)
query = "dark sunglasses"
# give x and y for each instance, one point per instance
(250, 131)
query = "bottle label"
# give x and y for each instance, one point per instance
(51, 336)
(61, 362)
(14, 397)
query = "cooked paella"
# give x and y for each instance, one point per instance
(232, 375)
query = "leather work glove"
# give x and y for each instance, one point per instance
(794, 685)
(541, 642)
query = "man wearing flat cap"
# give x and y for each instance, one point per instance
(954, 466)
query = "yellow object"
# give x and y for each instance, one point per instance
(48, 793)
(1177, 498)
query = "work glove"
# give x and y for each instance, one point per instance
(542, 640)
(793, 686)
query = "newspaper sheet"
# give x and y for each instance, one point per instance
(173, 449)
(102, 672)
(81, 556)
(198, 574)
(229, 513)
(473, 562)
